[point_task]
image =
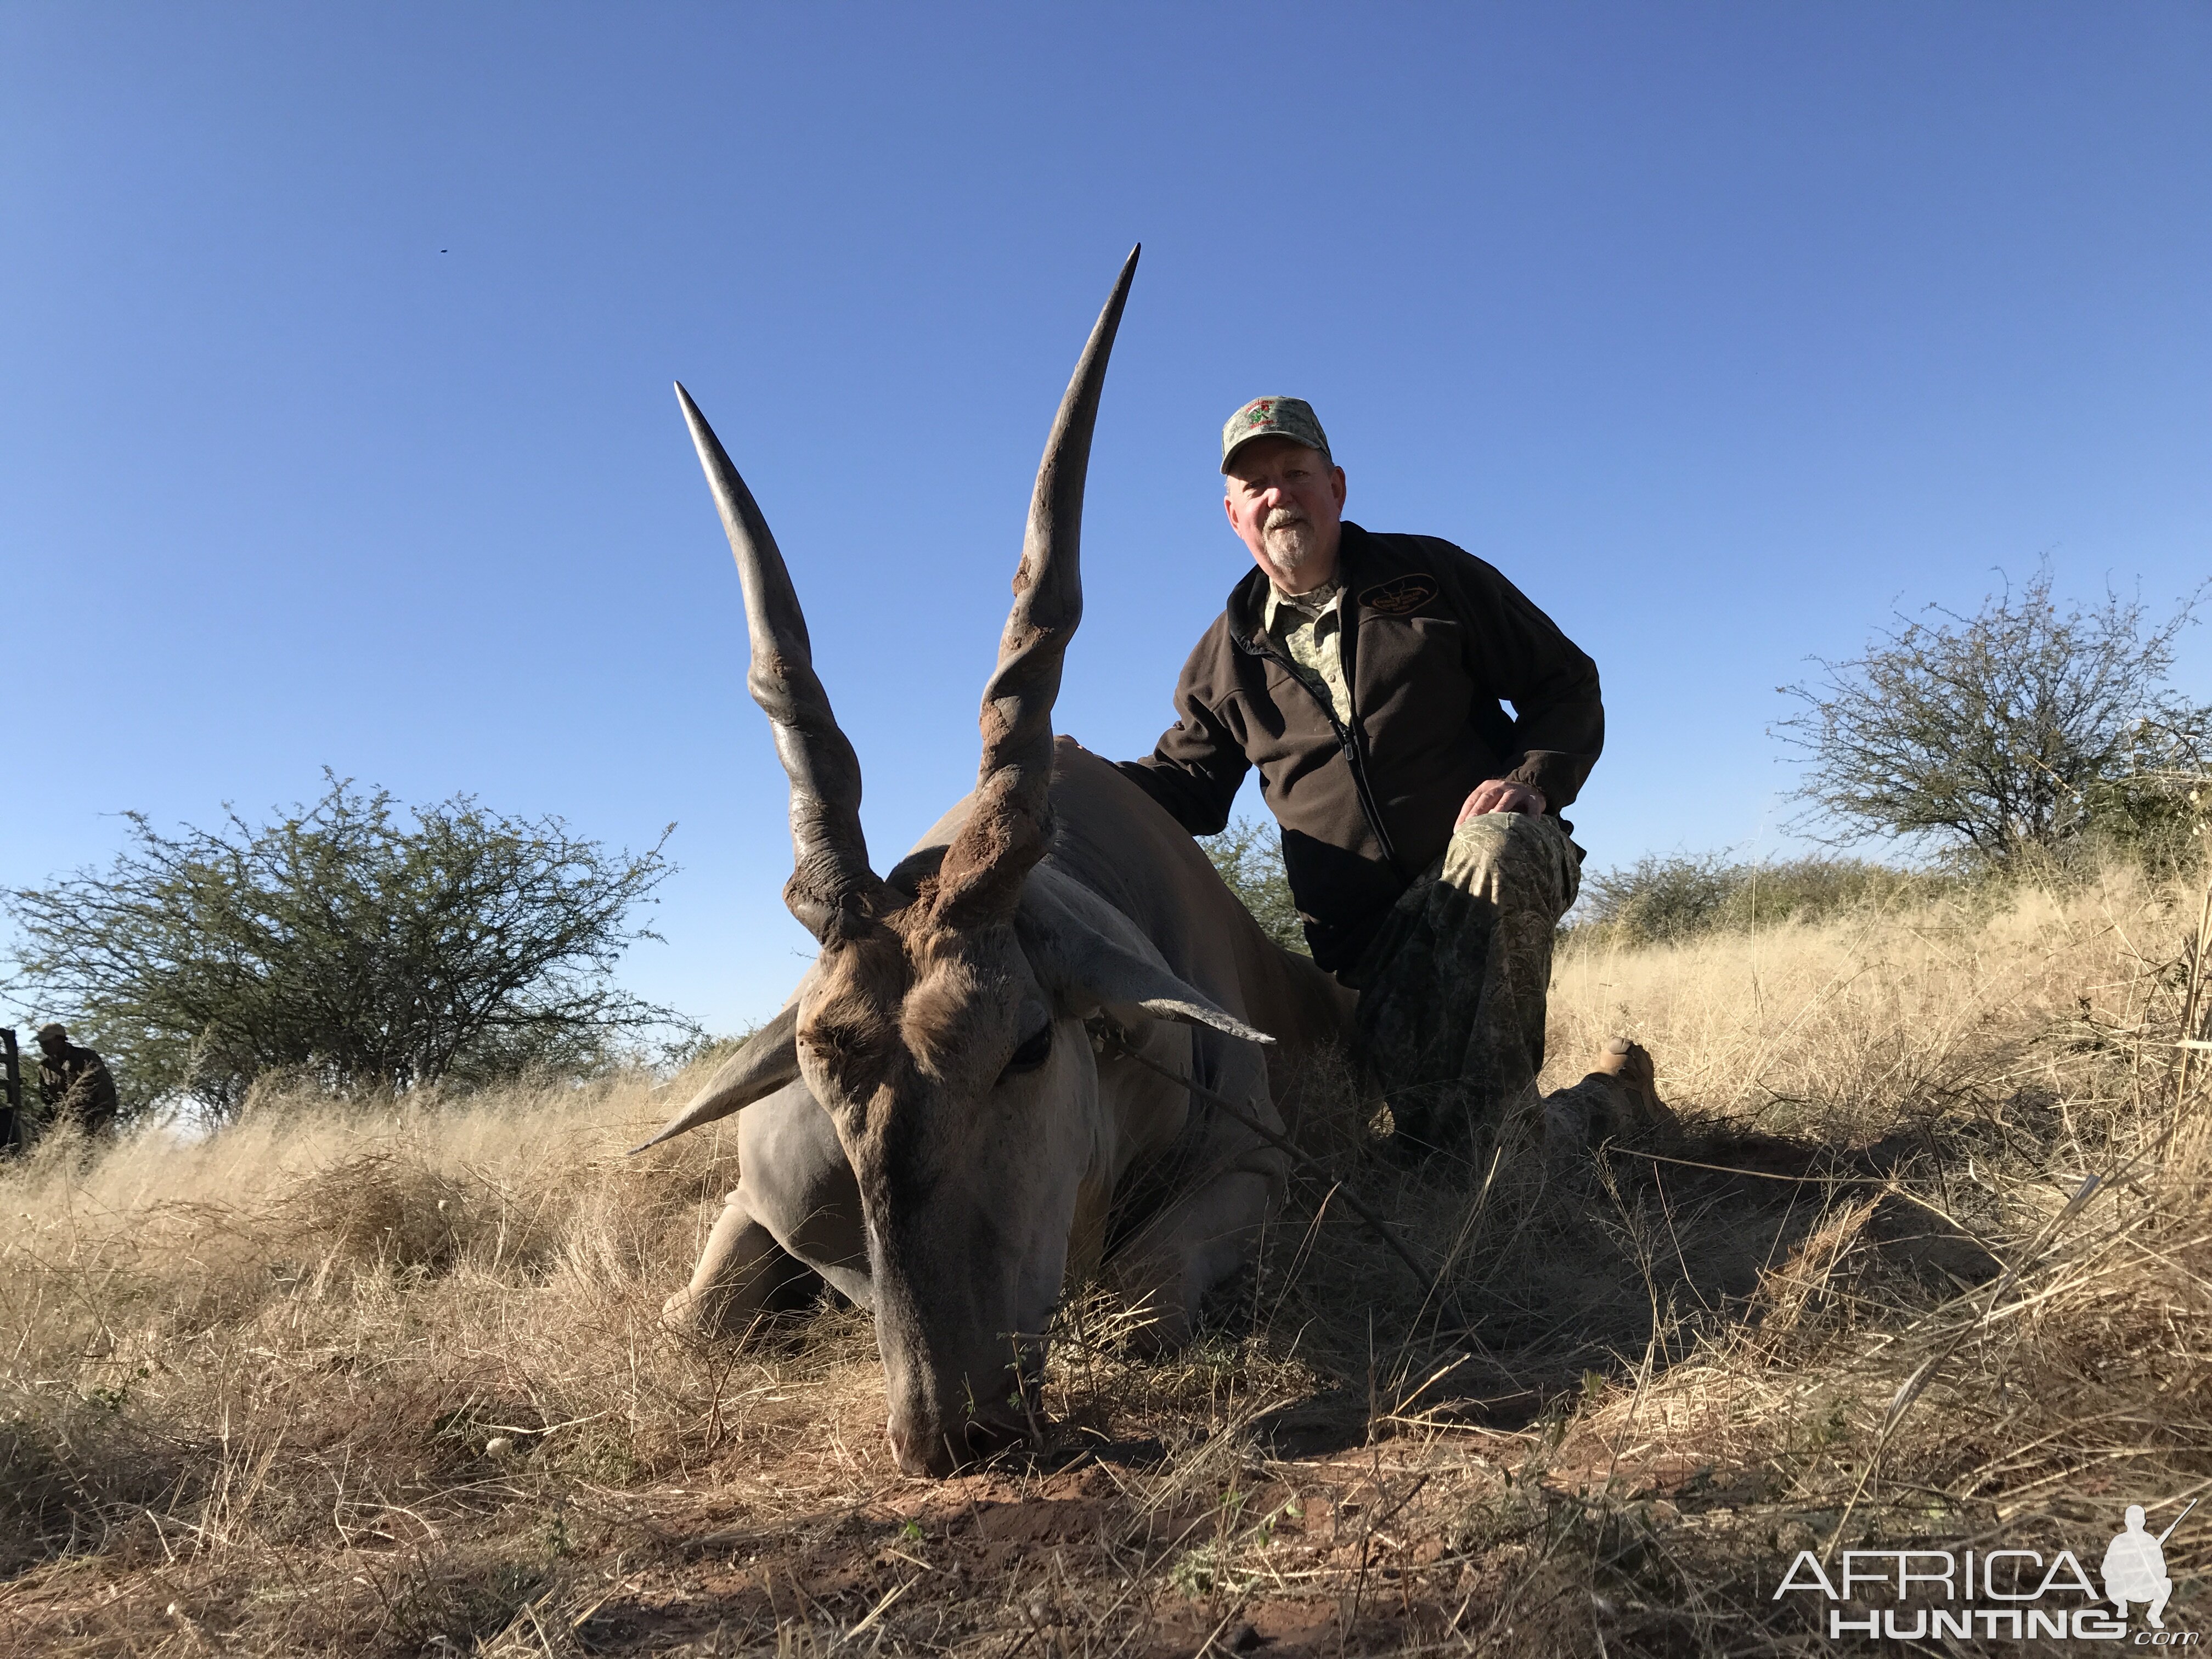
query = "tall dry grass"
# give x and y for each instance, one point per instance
(385, 1379)
(1834, 1027)
(2022, 1070)
(282, 1349)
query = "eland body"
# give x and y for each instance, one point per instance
(943, 1121)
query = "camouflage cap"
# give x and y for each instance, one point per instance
(1273, 418)
(55, 1030)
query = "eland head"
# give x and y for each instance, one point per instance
(943, 1024)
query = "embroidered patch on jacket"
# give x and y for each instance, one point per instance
(1396, 598)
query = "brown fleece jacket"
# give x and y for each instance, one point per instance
(1435, 641)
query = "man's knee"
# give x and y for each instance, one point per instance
(1516, 859)
(1485, 837)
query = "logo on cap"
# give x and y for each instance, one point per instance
(1273, 418)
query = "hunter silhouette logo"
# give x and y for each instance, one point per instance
(2135, 1566)
(2014, 1593)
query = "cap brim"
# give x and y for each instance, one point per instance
(1255, 437)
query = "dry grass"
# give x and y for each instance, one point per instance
(249, 1388)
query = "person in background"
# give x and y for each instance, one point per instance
(73, 1083)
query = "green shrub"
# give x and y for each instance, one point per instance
(1248, 853)
(1661, 900)
(353, 940)
(2017, 729)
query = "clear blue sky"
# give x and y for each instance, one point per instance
(336, 344)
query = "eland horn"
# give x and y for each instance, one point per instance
(1010, 824)
(831, 891)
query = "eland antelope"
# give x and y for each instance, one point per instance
(944, 1122)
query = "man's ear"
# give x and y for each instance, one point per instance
(1090, 957)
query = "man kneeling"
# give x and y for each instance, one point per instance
(1364, 675)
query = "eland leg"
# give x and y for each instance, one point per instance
(1198, 1244)
(743, 1275)
(796, 1214)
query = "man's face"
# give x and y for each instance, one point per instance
(1286, 504)
(55, 1046)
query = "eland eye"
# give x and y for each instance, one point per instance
(1033, 1053)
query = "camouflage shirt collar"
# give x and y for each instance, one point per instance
(1311, 605)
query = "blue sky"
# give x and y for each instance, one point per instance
(336, 344)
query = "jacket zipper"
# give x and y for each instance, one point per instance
(1348, 738)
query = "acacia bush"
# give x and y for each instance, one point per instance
(354, 944)
(2018, 729)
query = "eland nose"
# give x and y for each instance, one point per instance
(938, 1450)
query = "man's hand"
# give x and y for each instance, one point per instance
(1500, 795)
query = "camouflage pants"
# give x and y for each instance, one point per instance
(1452, 990)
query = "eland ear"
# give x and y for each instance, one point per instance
(768, 1061)
(1089, 950)
(1120, 980)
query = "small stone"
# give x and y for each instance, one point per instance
(498, 1446)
